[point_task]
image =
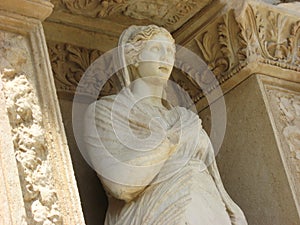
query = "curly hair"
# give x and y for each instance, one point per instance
(137, 40)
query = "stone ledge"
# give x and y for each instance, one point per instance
(38, 9)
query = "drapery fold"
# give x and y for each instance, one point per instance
(146, 156)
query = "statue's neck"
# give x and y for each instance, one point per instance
(148, 92)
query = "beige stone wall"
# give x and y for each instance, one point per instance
(93, 198)
(250, 160)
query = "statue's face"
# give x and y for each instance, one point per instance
(157, 57)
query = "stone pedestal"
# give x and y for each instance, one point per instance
(37, 182)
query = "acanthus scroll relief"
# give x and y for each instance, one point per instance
(278, 36)
(294, 44)
(265, 35)
(222, 49)
(217, 63)
(69, 62)
(164, 13)
(279, 43)
(95, 8)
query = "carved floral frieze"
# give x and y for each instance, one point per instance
(260, 35)
(170, 14)
(70, 62)
(256, 35)
(279, 38)
(164, 13)
(95, 8)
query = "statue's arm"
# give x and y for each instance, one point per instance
(136, 175)
(125, 173)
(236, 214)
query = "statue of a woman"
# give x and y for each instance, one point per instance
(156, 162)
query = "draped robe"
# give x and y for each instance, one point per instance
(156, 164)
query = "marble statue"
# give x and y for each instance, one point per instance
(155, 160)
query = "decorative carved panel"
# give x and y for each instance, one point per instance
(170, 14)
(95, 8)
(69, 63)
(261, 35)
(258, 35)
(284, 103)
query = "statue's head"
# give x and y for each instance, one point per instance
(149, 51)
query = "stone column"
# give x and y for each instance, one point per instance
(258, 160)
(37, 184)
